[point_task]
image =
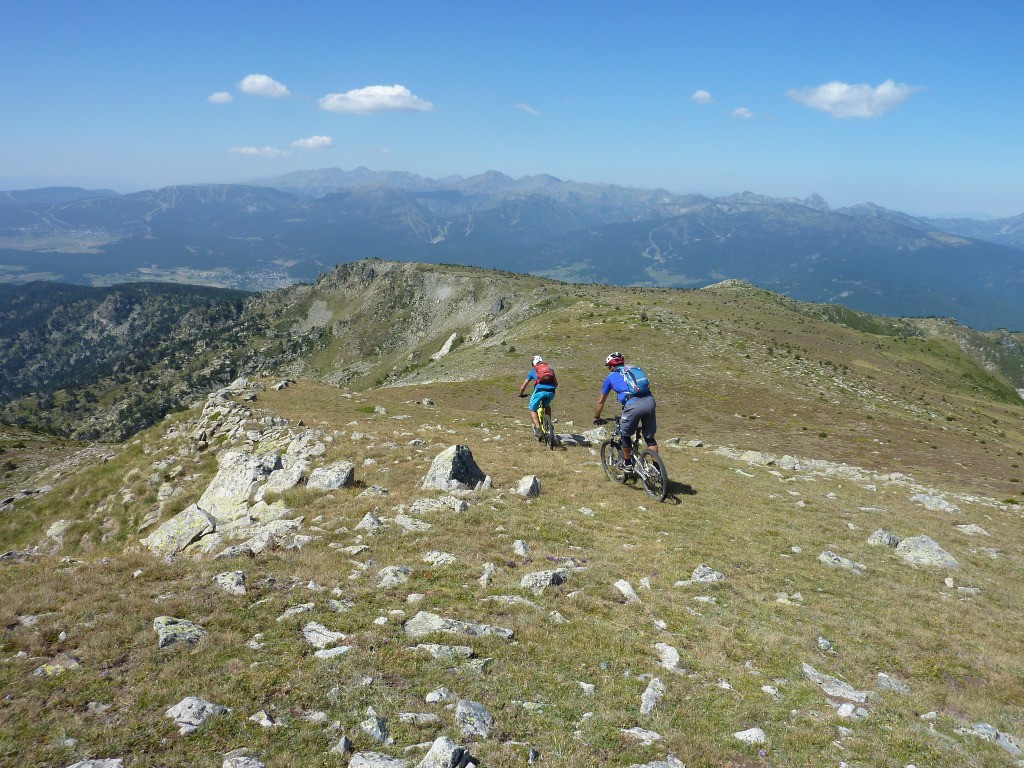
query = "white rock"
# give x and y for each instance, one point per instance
(751, 736)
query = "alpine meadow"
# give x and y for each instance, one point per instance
(311, 526)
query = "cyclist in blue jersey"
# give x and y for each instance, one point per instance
(635, 408)
(544, 386)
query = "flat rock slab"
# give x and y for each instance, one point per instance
(376, 760)
(424, 623)
(171, 630)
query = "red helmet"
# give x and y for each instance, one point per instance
(614, 359)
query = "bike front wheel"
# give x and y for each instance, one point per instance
(611, 460)
(653, 474)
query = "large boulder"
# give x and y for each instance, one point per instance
(454, 469)
(239, 474)
(184, 528)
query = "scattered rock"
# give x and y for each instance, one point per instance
(238, 475)
(436, 558)
(376, 760)
(171, 630)
(627, 591)
(837, 688)
(58, 665)
(651, 697)
(393, 576)
(886, 682)
(191, 712)
(320, 636)
(443, 753)
(454, 469)
(882, 538)
(473, 718)
(240, 758)
(936, 503)
(332, 477)
(644, 736)
(231, 581)
(751, 736)
(538, 581)
(376, 727)
(921, 550)
(424, 622)
(529, 486)
(835, 561)
(668, 656)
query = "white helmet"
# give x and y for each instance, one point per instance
(537, 359)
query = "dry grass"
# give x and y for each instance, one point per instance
(960, 655)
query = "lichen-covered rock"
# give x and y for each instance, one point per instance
(183, 529)
(473, 718)
(171, 630)
(238, 475)
(231, 581)
(922, 550)
(424, 623)
(332, 477)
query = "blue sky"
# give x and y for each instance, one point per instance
(914, 106)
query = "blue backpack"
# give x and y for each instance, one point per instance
(637, 381)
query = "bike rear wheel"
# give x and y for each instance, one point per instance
(611, 460)
(548, 429)
(653, 474)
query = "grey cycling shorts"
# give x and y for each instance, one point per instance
(639, 410)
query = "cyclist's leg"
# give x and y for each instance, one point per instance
(627, 426)
(649, 423)
(535, 400)
(547, 404)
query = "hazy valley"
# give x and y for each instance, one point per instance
(275, 232)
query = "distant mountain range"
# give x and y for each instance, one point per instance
(274, 232)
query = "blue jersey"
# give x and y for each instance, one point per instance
(616, 381)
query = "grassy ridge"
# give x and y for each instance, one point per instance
(730, 366)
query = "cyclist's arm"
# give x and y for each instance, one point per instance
(524, 385)
(600, 405)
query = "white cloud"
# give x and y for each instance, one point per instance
(844, 100)
(527, 109)
(702, 97)
(375, 98)
(220, 97)
(263, 85)
(314, 142)
(260, 151)
(742, 112)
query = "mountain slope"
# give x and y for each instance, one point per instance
(378, 322)
(756, 597)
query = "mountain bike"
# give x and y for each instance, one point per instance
(647, 464)
(547, 429)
